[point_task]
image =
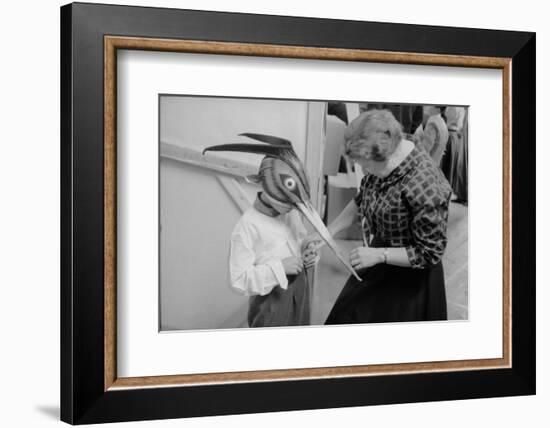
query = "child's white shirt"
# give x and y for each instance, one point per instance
(259, 243)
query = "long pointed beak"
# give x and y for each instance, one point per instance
(311, 215)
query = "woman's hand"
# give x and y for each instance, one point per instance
(364, 257)
(310, 255)
(292, 265)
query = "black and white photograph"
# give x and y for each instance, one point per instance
(287, 213)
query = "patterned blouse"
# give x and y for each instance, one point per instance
(408, 208)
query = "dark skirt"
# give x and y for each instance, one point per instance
(390, 293)
(281, 307)
(455, 165)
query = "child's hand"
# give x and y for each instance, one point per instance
(292, 265)
(313, 240)
(310, 255)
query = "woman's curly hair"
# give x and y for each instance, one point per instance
(374, 134)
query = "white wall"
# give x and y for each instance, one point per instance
(198, 122)
(195, 231)
(29, 232)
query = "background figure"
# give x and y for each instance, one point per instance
(417, 119)
(408, 115)
(338, 109)
(455, 161)
(433, 135)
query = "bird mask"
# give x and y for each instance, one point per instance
(283, 177)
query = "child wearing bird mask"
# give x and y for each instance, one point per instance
(268, 260)
(267, 263)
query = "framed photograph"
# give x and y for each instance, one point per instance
(320, 213)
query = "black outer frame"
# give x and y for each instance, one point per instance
(83, 399)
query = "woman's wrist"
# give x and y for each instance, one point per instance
(383, 255)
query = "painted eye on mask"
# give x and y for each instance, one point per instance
(289, 183)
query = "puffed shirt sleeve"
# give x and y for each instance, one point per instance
(428, 226)
(248, 277)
